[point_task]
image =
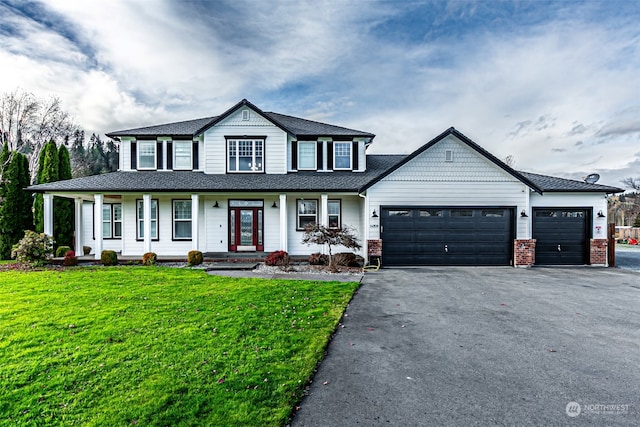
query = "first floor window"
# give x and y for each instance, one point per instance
(182, 219)
(333, 208)
(146, 154)
(245, 155)
(112, 221)
(342, 155)
(182, 155)
(307, 155)
(307, 213)
(154, 219)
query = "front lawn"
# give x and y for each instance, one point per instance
(159, 346)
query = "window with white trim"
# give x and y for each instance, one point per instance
(112, 221)
(154, 219)
(334, 211)
(182, 155)
(342, 155)
(182, 219)
(245, 155)
(146, 154)
(307, 157)
(307, 213)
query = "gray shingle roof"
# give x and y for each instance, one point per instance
(554, 184)
(293, 125)
(174, 181)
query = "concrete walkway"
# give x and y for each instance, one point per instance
(483, 346)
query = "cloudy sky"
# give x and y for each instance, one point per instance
(554, 84)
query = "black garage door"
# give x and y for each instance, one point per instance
(446, 236)
(561, 235)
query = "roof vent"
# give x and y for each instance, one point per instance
(448, 155)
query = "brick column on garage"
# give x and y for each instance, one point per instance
(524, 252)
(598, 252)
(374, 249)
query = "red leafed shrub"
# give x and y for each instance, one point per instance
(149, 258)
(277, 258)
(70, 259)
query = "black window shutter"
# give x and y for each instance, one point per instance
(134, 156)
(354, 155)
(196, 156)
(294, 155)
(159, 154)
(169, 155)
(330, 155)
(319, 165)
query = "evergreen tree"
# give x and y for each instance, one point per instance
(47, 172)
(26, 205)
(63, 215)
(4, 156)
(15, 203)
(636, 222)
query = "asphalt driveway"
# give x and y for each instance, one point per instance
(480, 346)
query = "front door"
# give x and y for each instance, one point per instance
(245, 225)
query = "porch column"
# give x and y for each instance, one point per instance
(146, 207)
(324, 209)
(79, 235)
(48, 214)
(195, 221)
(97, 223)
(283, 222)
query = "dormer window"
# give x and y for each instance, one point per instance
(146, 154)
(245, 155)
(342, 155)
(307, 155)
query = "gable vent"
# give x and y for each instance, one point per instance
(448, 155)
(245, 114)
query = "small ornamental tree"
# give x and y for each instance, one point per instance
(322, 235)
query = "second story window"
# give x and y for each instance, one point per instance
(146, 154)
(307, 155)
(245, 155)
(182, 154)
(342, 155)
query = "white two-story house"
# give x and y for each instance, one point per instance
(250, 180)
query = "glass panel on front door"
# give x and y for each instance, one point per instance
(246, 227)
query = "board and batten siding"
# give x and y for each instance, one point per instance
(215, 144)
(469, 179)
(596, 201)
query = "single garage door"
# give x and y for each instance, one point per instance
(446, 236)
(561, 235)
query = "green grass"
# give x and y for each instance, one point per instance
(159, 346)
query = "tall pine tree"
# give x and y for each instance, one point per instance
(15, 211)
(47, 172)
(63, 215)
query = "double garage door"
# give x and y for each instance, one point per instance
(480, 236)
(446, 236)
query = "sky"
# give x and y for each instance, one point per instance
(554, 84)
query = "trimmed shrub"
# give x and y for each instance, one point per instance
(62, 251)
(108, 258)
(194, 258)
(34, 248)
(70, 259)
(277, 258)
(345, 259)
(86, 250)
(318, 259)
(149, 258)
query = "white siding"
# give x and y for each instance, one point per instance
(215, 146)
(125, 155)
(596, 201)
(428, 180)
(351, 208)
